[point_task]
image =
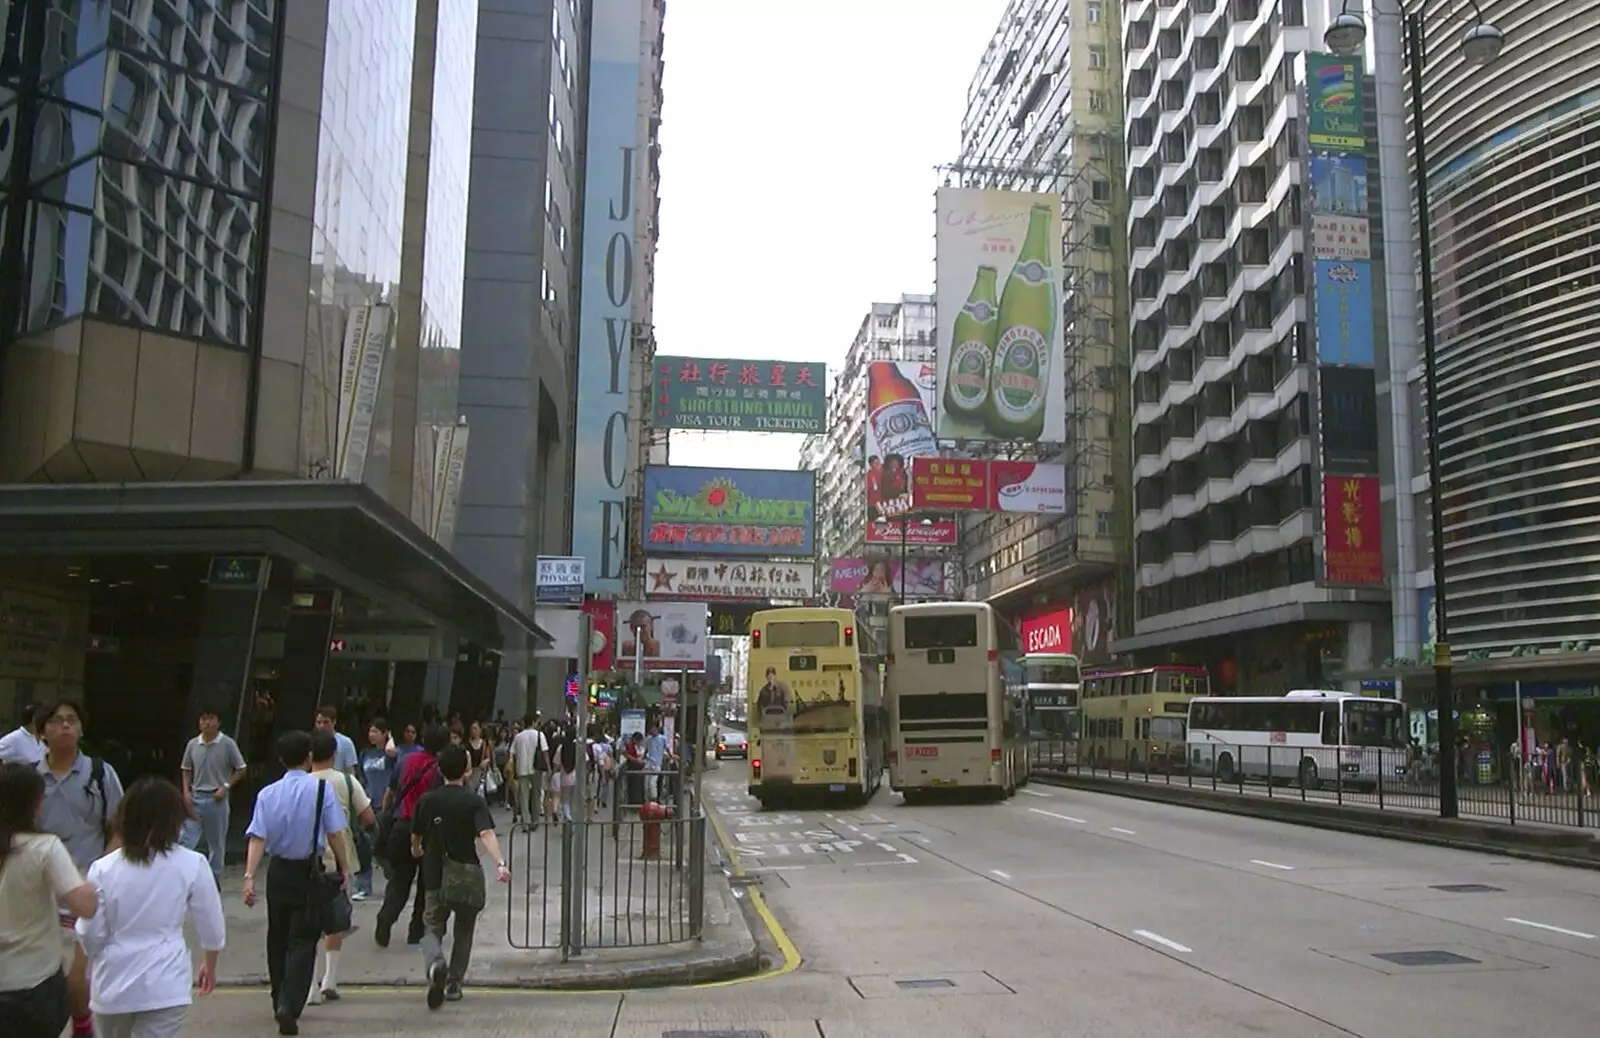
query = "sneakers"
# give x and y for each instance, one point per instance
(436, 985)
(315, 998)
(452, 992)
(360, 895)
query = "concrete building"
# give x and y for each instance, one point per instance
(232, 262)
(901, 330)
(1044, 113)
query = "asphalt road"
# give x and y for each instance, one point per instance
(1071, 914)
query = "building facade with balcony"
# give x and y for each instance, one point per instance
(1225, 470)
(1044, 113)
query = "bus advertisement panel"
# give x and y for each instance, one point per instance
(815, 704)
(957, 700)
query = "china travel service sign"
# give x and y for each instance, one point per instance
(704, 511)
(726, 579)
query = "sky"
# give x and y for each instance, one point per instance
(798, 146)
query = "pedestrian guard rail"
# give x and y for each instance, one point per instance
(1491, 785)
(629, 875)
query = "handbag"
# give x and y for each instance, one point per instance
(326, 902)
(462, 886)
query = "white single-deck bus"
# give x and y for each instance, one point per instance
(957, 696)
(1312, 737)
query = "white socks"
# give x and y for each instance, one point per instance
(330, 972)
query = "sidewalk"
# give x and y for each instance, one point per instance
(628, 901)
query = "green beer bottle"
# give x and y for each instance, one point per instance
(1020, 381)
(966, 377)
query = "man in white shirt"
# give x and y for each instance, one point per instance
(357, 807)
(530, 762)
(25, 744)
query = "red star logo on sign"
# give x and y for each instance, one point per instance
(661, 579)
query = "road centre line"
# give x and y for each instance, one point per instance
(1064, 818)
(1119, 829)
(1035, 793)
(997, 872)
(1164, 942)
(1552, 929)
(1271, 865)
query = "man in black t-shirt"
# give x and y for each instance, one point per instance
(448, 824)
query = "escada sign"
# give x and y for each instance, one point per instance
(1048, 632)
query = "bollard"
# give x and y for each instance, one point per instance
(651, 813)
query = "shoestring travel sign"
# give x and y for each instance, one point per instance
(739, 395)
(729, 512)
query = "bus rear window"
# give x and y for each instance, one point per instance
(965, 706)
(802, 634)
(942, 632)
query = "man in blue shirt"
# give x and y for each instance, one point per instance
(285, 818)
(655, 757)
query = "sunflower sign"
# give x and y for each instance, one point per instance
(703, 511)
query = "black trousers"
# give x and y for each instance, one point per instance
(403, 870)
(292, 935)
(36, 1012)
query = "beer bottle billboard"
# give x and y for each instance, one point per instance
(1016, 233)
(966, 380)
(1019, 385)
(899, 429)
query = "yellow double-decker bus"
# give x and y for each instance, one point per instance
(1137, 719)
(816, 715)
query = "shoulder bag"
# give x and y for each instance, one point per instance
(326, 902)
(384, 837)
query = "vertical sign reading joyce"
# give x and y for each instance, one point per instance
(740, 395)
(899, 428)
(1000, 370)
(605, 321)
(1334, 103)
(1352, 548)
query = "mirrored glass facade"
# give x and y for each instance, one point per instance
(142, 193)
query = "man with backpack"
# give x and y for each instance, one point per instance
(530, 763)
(419, 775)
(81, 794)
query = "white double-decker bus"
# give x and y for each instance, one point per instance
(957, 697)
(1054, 683)
(1312, 737)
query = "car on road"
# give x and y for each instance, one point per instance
(732, 744)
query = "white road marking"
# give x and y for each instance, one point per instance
(1035, 793)
(1552, 929)
(903, 859)
(776, 868)
(1125, 832)
(888, 847)
(1164, 942)
(1271, 865)
(1064, 818)
(997, 872)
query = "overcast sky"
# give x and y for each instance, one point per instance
(797, 175)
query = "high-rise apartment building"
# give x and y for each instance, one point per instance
(232, 267)
(901, 330)
(1044, 113)
(1228, 480)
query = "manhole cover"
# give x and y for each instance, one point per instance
(916, 985)
(715, 1034)
(1425, 958)
(1468, 888)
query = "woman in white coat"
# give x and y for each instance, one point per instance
(139, 966)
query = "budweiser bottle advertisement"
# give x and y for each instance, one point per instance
(902, 429)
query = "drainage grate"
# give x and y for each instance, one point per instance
(917, 985)
(1468, 888)
(741, 881)
(715, 1034)
(1425, 958)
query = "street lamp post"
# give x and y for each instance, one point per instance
(1480, 45)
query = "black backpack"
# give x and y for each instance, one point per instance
(569, 750)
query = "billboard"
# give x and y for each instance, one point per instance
(1047, 631)
(558, 579)
(880, 575)
(671, 635)
(1343, 306)
(722, 578)
(1334, 106)
(1352, 545)
(915, 533)
(740, 395)
(605, 319)
(1340, 228)
(1348, 402)
(899, 429)
(728, 511)
(1000, 354)
(1094, 623)
(602, 621)
(962, 485)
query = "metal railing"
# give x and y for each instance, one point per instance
(1492, 786)
(613, 880)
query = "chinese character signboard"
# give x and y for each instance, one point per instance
(1343, 307)
(1352, 549)
(961, 485)
(558, 580)
(1340, 228)
(704, 511)
(1334, 103)
(669, 635)
(739, 395)
(733, 618)
(723, 578)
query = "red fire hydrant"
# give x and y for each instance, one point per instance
(651, 813)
